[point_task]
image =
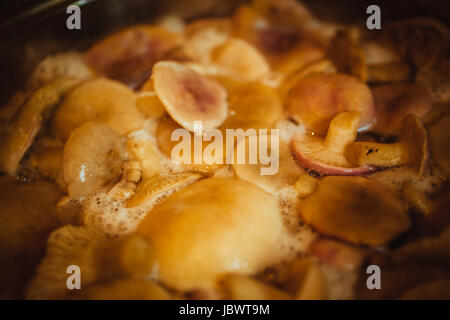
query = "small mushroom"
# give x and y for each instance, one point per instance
(188, 96)
(326, 156)
(411, 150)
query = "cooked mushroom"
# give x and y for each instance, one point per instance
(394, 102)
(128, 55)
(389, 72)
(437, 80)
(338, 254)
(25, 126)
(417, 199)
(412, 150)
(239, 287)
(321, 66)
(440, 143)
(347, 54)
(355, 209)
(315, 99)
(421, 42)
(305, 185)
(326, 156)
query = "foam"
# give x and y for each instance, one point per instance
(394, 178)
(111, 216)
(297, 236)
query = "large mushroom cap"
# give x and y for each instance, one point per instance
(210, 228)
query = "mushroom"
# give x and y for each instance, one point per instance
(20, 133)
(326, 156)
(394, 102)
(316, 98)
(389, 72)
(129, 54)
(436, 80)
(440, 142)
(411, 150)
(421, 42)
(239, 287)
(337, 254)
(347, 54)
(355, 209)
(188, 96)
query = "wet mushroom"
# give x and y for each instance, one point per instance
(23, 129)
(188, 96)
(355, 209)
(389, 72)
(411, 150)
(394, 102)
(326, 156)
(347, 54)
(421, 41)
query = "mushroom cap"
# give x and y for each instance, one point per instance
(188, 96)
(355, 209)
(437, 80)
(210, 228)
(414, 136)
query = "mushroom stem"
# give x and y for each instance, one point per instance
(412, 150)
(377, 154)
(342, 131)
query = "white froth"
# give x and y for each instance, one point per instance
(394, 178)
(297, 236)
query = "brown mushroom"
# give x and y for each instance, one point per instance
(421, 41)
(394, 102)
(21, 132)
(411, 150)
(347, 54)
(440, 143)
(437, 80)
(355, 209)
